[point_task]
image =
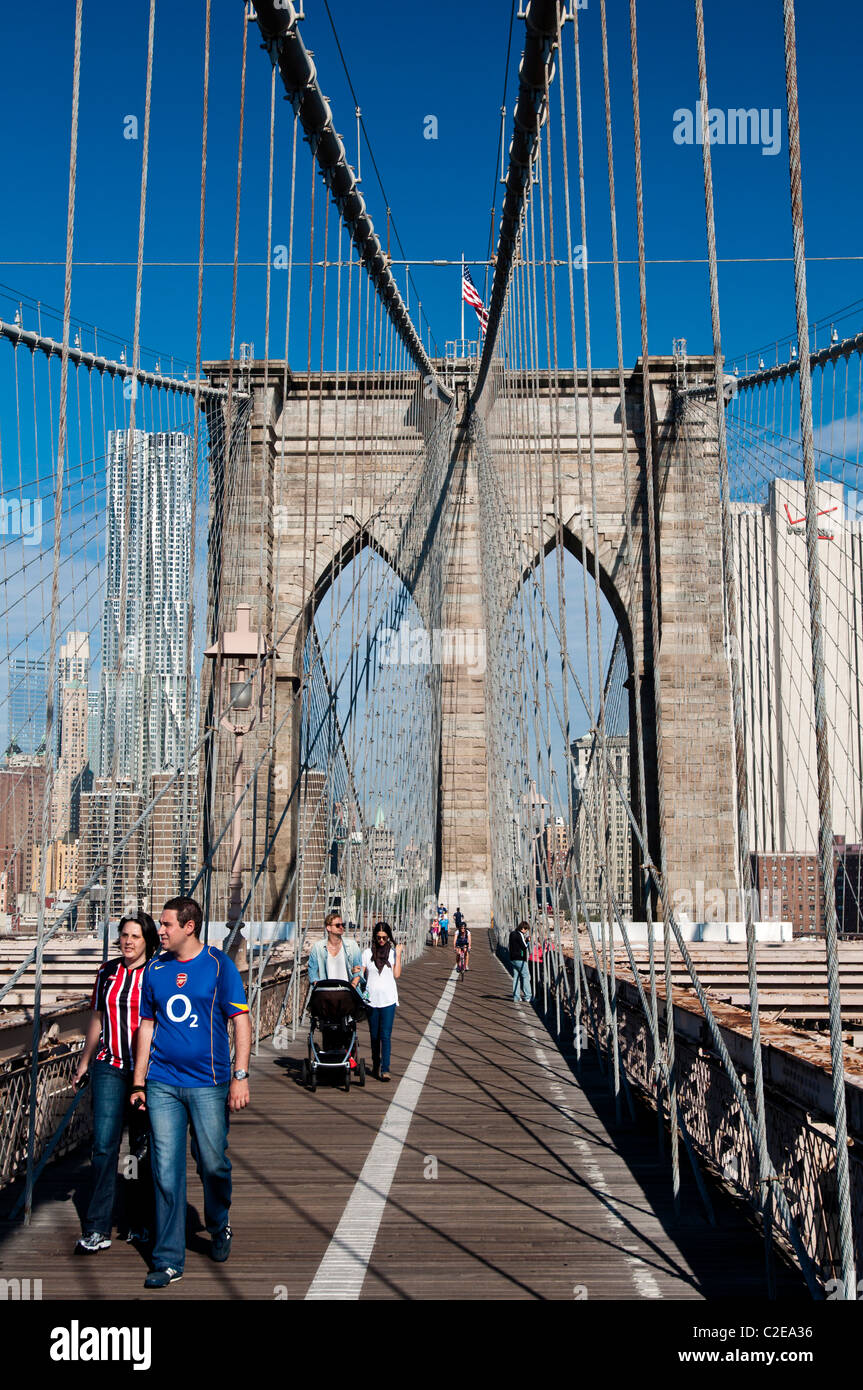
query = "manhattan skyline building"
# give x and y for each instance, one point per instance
(587, 807)
(28, 703)
(776, 664)
(73, 773)
(94, 731)
(145, 704)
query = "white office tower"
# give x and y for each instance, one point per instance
(776, 664)
(145, 701)
(589, 805)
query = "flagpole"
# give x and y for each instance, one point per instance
(462, 301)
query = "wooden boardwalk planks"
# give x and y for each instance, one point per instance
(536, 1193)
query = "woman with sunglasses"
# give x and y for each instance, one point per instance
(112, 1035)
(383, 966)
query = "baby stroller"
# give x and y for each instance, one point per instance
(335, 1009)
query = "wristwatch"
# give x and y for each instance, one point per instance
(241, 1076)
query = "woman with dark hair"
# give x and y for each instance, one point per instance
(111, 1035)
(383, 966)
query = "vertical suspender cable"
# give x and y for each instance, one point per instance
(765, 1181)
(825, 811)
(627, 516)
(650, 527)
(55, 589)
(185, 875)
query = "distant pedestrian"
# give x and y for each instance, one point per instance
(462, 942)
(444, 929)
(458, 919)
(519, 955)
(383, 966)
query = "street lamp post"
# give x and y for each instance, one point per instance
(241, 648)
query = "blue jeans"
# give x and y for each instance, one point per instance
(111, 1089)
(381, 1031)
(172, 1110)
(521, 976)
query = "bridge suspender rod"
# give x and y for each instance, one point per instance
(186, 792)
(542, 22)
(825, 811)
(627, 515)
(52, 665)
(765, 1186)
(650, 493)
(278, 26)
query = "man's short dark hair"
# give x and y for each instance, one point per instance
(187, 910)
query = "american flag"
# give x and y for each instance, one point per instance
(470, 294)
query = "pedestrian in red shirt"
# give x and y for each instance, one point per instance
(111, 1035)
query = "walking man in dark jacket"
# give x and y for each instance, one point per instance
(519, 954)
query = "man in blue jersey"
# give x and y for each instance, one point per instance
(189, 993)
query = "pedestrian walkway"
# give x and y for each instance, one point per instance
(483, 1170)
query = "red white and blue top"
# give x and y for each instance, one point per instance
(117, 997)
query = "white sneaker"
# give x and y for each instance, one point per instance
(93, 1242)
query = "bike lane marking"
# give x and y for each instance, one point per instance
(342, 1270)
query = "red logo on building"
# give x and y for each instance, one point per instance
(181, 980)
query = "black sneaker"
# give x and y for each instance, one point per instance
(221, 1246)
(93, 1242)
(161, 1278)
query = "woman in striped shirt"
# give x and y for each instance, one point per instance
(111, 1036)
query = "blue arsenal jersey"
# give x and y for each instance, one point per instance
(190, 1002)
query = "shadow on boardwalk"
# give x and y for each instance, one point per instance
(513, 1182)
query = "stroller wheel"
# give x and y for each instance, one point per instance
(313, 1078)
(347, 1080)
(361, 1072)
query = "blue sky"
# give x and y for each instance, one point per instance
(407, 62)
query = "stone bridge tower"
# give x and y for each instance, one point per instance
(277, 543)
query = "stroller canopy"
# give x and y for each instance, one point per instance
(335, 1001)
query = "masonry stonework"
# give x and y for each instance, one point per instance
(305, 496)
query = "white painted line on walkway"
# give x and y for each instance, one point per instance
(343, 1269)
(645, 1283)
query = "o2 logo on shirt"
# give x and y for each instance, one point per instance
(179, 1008)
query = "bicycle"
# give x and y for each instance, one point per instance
(460, 957)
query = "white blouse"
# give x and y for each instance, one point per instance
(383, 990)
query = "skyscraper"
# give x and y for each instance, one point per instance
(72, 770)
(775, 653)
(145, 700)
(28, 702)
(104, 807)
(587, 802)
(94, 731)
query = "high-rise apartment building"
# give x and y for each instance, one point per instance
(94, 731)
(587, 803)
(73, 774)
(146, 704)
(22, 792)
(104, 809)
(28, 703)
(776, 664)
(381, 853)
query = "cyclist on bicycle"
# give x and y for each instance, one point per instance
(462, 944)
